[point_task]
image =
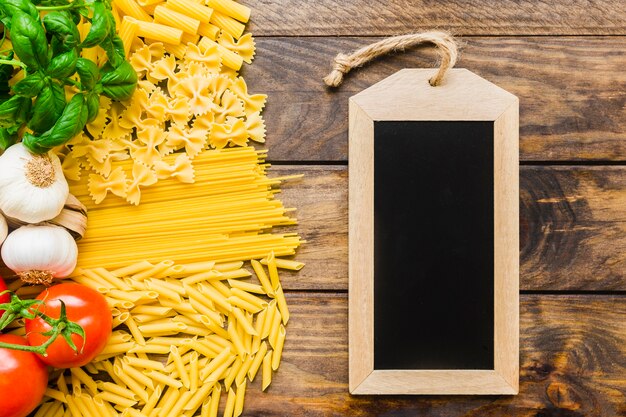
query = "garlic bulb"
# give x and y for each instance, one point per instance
(4, 229)
(37, 254)
(32, 187)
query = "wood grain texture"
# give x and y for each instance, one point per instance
(464, 17)
(572, 227)
(572, 92)
(572, 365)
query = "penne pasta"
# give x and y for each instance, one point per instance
(230, 403)
(179, 366)
(267, 370)
(285, 264)
(148, 407)
(278, 349)
(281, 302)
(263, 279)
(232, 373)
(273, 271)
(239, 399)
(256, 363)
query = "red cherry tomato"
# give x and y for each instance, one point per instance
(84, 306)
(23, 379)
(4, 298)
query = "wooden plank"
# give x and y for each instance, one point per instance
(572, 227)
(572, 364)
(465, 17)
(571, 91)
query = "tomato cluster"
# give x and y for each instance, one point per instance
(23, 374)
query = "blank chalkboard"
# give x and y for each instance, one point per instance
(433, 245)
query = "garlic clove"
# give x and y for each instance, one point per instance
(4, 229)
(38, 254)
(73, 217)
(32, 187)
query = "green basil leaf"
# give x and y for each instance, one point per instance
(63, 65)
(29, 40)
(30, 86)
(6, 71)
(100, 26)
(10, 7)
(63, 28)
(71, 123)
(14, 111)
(8, 136)
(119, 84)
(93, 106)
(114, 47)
(48, 108)
(88, 72)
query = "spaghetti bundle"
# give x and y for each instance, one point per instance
(225, 216)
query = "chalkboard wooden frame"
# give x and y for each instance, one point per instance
(407, 96)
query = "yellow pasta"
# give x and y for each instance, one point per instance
(239, 399)
(116, 399)
(229, 58)
(232, 373)
(281, 302)
(230, 8)
(180, 367)
(230, 403)
(267, 370)
(56, 395)
(131, 8)
(228, 24)
(206, 354)
(127, 32)
(158, 32)
(208, 30)
(175, 19)
(285, 264)
(118, 390)
(192, 9)
(278, 350)
(257, 361)
(152, 401)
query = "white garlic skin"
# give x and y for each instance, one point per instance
(40, 248)
(20, 198)
(4, 229)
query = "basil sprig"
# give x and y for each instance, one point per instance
(48, 50)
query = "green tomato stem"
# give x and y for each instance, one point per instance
(18, 308)
(24, 348)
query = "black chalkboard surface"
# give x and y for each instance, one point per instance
(433, 245)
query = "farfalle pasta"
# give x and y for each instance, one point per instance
(190, 97)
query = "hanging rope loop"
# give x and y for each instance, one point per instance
(445, 43)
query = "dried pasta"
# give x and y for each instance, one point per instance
(228, 214)
(195, 370)
(189, 98)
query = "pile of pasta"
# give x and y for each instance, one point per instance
(186, 335)
(227, 215)
(189, 97)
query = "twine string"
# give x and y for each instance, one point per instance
(445, 43)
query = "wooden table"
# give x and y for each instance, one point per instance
(569, 72)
